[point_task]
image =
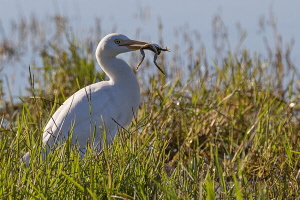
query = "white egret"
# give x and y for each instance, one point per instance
(113, 102)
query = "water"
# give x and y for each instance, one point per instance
(176, 16)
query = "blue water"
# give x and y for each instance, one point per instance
(176, 16)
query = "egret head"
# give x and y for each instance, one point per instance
(115, 43)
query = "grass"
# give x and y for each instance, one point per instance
(230, 132)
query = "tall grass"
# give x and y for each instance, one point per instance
(226, 130)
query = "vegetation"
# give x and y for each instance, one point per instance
(226, 130)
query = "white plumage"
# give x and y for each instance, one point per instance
(112, 101)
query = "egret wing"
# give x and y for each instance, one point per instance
(83, 114)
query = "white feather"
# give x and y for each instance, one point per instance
(107, 102)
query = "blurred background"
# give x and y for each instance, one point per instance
(209, 27)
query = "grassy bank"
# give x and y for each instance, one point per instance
(222, 129)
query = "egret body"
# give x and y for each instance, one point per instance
(102, 106)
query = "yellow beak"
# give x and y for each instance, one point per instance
(132, 44)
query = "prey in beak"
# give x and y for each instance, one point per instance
(135, 45)
(156, 49)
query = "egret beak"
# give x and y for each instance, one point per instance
(132, 44)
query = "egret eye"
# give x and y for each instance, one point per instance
(117, 41)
